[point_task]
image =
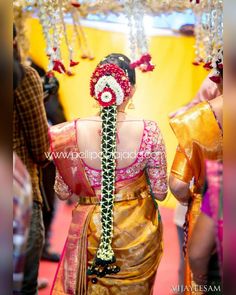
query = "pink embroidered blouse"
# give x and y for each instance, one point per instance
(151, 156)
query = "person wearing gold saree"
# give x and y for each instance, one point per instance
(116, 165)
(200, 137)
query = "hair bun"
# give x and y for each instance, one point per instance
(110, 85)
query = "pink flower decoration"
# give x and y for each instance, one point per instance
(144, 63)
(58, 66)
(208, 66)
(73, 63)
(69, 73)
(75, 4)
(216, 79)
(50, 74)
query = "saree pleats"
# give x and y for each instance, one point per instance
(71, 275)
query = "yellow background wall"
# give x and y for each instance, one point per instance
(173, 83)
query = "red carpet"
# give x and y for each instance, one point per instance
(167, 272)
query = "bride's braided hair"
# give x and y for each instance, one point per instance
(110, 85)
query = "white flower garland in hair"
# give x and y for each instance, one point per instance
(109, 85)
(110, 82)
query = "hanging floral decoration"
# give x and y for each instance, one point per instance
(52, 15)
(195, 1)
(79, 34)
(138, 43)
(217, 66)
(144, 63)
(208, 31)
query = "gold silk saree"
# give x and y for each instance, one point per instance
(137, 236)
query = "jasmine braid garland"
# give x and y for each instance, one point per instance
(110, 86)
(105, 254)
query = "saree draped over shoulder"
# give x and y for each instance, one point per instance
(137, 235)
(200, 137)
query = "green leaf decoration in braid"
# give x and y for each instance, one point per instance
(110, 86)
(105, 254)
(108, 115)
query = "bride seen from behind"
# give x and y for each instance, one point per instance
(114, 244)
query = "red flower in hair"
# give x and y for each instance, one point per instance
(107, 97)
(119, 76)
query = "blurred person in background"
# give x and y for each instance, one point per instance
(6, 220)
(55, 115)
(207, 91)
(22, 199)
(54, 109)
(229, 151)
(200, 136)
(30, 142)
(206, 242)
(22, 210)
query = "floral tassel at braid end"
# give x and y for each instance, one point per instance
(101, 268)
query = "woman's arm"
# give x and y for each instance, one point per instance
(180, 177)
(61, 188)
(201, 245)
(179, 189)
(157, 166)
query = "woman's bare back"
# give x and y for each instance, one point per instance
(129, 137)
